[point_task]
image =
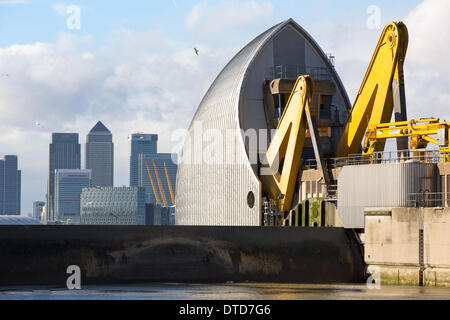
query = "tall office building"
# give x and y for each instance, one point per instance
(69, 184)
(10, 186)
(140, 143)
(65, 153)
(146, 168)
(39, 210)
(99, 156)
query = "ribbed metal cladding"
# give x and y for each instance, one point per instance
(381, 185)
(202, 198)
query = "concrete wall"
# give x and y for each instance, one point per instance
(40, 255)
(393, 243)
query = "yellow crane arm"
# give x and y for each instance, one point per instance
(163, 195)
(284, 154)
(152, 182)
(419, 132)
(172, 197)
(381, 90)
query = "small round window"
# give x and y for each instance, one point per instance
(251, 199)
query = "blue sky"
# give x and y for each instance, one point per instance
(132, 66)
(36, 20)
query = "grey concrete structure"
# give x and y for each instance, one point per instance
(409, 245)
(99, 156)
(127, 254)
(216, 193)
(64, 153)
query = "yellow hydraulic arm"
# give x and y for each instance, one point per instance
(382, 91)
(172, 197)
(418, 131)
(152, 182)
(284, 154)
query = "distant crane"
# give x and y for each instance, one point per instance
(160, 185)
(155, 192)
(170, 185)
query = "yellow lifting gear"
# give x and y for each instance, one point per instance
(418, 131)
(284, 154)
(381, 91)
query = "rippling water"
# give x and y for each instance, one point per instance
(229, 291)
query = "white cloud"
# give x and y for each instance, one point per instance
(227, 16)
(427, 67)
(142, 81)
(60, 8)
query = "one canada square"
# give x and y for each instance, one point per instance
(99, 156)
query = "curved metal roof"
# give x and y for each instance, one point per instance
(17, 220)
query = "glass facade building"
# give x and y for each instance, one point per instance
(68, 187)
(64, 153)
(113, 206)
(99, 156)
(146, 167)
(10, 186)
(140, 143)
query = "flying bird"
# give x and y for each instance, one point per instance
(196, 51)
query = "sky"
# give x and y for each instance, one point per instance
(131, 64)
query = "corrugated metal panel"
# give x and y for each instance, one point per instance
(381, 185)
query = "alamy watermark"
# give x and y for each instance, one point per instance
(374, 279)
(207, 146)
(374, 20)
(74, 280)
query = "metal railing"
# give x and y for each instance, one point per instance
(398, 156)
(429, 199)
(293, 72)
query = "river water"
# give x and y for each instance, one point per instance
(228, 291)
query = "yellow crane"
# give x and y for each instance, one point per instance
(163, 195)
(169, 182)
(418, 131)
(381, 92)
(284, 154)
(155, 192)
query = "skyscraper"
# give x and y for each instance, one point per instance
(64, 153)
(140, 143)
(99, 156)
(10, 185)
(69, 184)
(38, 210)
